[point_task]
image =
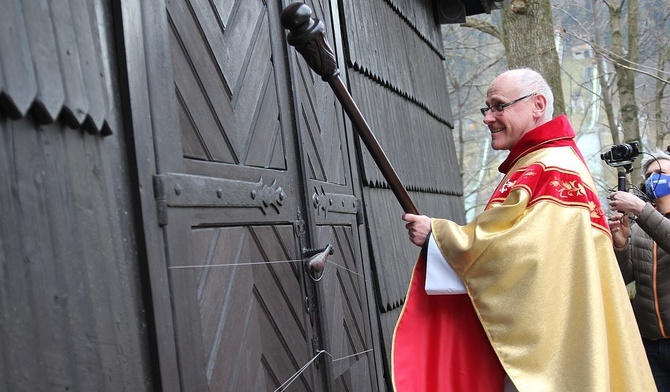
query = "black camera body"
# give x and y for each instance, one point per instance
(621, 154)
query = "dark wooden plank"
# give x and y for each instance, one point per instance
(275, 247)
(309, 125)
(199, 111)
(281, 360)
(384, 29)
(109, 270)
(394, 259)
(192, 143)
(277, 155)
(106, 48)
(20, 86)
(350, 282)
(50, 93)
(211, 31)
(417, 14)
(147, 82)
(227, 308)
(42, 218)
(332, 313)
(243, 341)
(223, 10)
(351, 24)
(355, 315)
(240, 33)
(76, 105)
(190, 41)
(192, 358)
(83, 20)
(264, 135)
(2, 89)
(60, 220)
(84, 280)
(18, 328)
(68, 317)
(254, 88)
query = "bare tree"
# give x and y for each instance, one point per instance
(474, 57)
(528, 36)
(617, 88)
(605, 82)
(624, 65)
(661, 127)
(629, 44)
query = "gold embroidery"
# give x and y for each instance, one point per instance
(568, 188)
(507, 186)
(596, 210)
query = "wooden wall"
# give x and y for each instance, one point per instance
(394, 61)
(104, 102)
(72, 310)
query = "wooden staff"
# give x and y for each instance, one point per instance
(306, 34)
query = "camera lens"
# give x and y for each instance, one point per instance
(621, 152)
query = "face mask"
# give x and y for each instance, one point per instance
(657, 185)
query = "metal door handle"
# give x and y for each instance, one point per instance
(315, 261)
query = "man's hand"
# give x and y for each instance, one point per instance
(622, 203)
(626, 202)
(620, 229)
(418, 227)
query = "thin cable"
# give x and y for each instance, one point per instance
(345, 268)
(297, 374)
(256, 263)
(349, 356)
(234, 265)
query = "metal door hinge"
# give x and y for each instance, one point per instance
(360, 218)
(161, 201)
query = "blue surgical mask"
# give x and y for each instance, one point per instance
(657, 185)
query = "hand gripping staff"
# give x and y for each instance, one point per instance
(306, 34)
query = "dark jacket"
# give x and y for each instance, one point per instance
(646, 260)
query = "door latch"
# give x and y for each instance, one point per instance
(315, 261)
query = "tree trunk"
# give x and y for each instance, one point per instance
(528, 36)
(660, 130)
(623, 66)
(605, 82)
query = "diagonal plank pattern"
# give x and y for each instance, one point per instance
(224, 81)
(251, 315)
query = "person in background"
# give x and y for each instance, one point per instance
(543, 305)
(643, 252)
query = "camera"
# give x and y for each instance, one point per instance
(621, 154)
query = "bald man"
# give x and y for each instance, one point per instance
(543, 305)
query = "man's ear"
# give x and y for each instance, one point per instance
(540, 105)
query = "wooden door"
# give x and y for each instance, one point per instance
(242, 189)
(335, 215)
(232, 202)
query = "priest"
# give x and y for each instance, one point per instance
(527, 296)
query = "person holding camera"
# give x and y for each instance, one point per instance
(643, 252)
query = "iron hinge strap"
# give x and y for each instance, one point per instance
(161, 200)
(360, 218)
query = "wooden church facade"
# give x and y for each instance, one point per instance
(167, 167)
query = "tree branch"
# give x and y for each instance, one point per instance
(483, 26)
(614, 58)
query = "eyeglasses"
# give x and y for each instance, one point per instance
(499, 107)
